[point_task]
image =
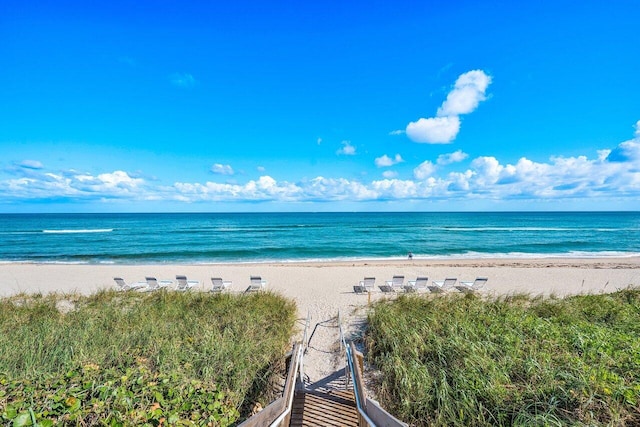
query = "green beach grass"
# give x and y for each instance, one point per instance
(462, 360)
(163, 358)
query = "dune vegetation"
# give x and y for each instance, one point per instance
(169, 358)
(464, 360)
(139, 359)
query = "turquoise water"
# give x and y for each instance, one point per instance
(246, 237)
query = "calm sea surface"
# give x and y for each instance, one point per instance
(215, 238)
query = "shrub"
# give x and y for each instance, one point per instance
(135, 359)
(516, 360)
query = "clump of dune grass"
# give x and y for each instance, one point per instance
(132, 358)
(462, 360)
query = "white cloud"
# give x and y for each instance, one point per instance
(319, 141)
(395, 189)
(435, 130)
(268, 189)
(458, 182)
(184, 80)
(220, 169)
(334, 189)
(628, 151)
(468, 91)
(486, 178)
(455, 157)
(386, 161)
(74, 185)
(347, 149)
(118, 179)
(487, 170)
(31, 164)
(396, 132)
(261, 169)
(425, 170)
(611, 175)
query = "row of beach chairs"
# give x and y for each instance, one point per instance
(182, 284)
(397, 284)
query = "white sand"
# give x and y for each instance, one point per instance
(323, 289)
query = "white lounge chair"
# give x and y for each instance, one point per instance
(184, 284)
(472, 286)
(443, 286)
(416, 285)
(256, 284)
(154, 285)
(219, 285)
(392, 285)
(124, 286)
(364, 286)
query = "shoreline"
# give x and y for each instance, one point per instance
(631, 258)
(602, 256)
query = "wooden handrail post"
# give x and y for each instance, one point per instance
(359, 379)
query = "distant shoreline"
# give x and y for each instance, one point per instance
(506, 259)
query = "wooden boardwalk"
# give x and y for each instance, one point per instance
(327, 402)
(324, 409)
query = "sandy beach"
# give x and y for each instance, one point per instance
(328, 286)
(320, 290)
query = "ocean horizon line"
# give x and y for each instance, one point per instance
(295, 212)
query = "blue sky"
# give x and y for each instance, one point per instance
(327, 106)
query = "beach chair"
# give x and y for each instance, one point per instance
(468, 287)
(154, 285)
(392, 285)
(364, 286)
(416, 285)
(443, 286)
(256, 284)
(124, 286)
(219, 285)
(184, 284)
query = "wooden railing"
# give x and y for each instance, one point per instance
(370, 413)
(279, 411)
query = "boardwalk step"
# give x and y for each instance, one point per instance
(317, 408)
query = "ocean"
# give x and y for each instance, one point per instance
(287, 237)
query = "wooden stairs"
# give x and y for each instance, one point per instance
(338, 400)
